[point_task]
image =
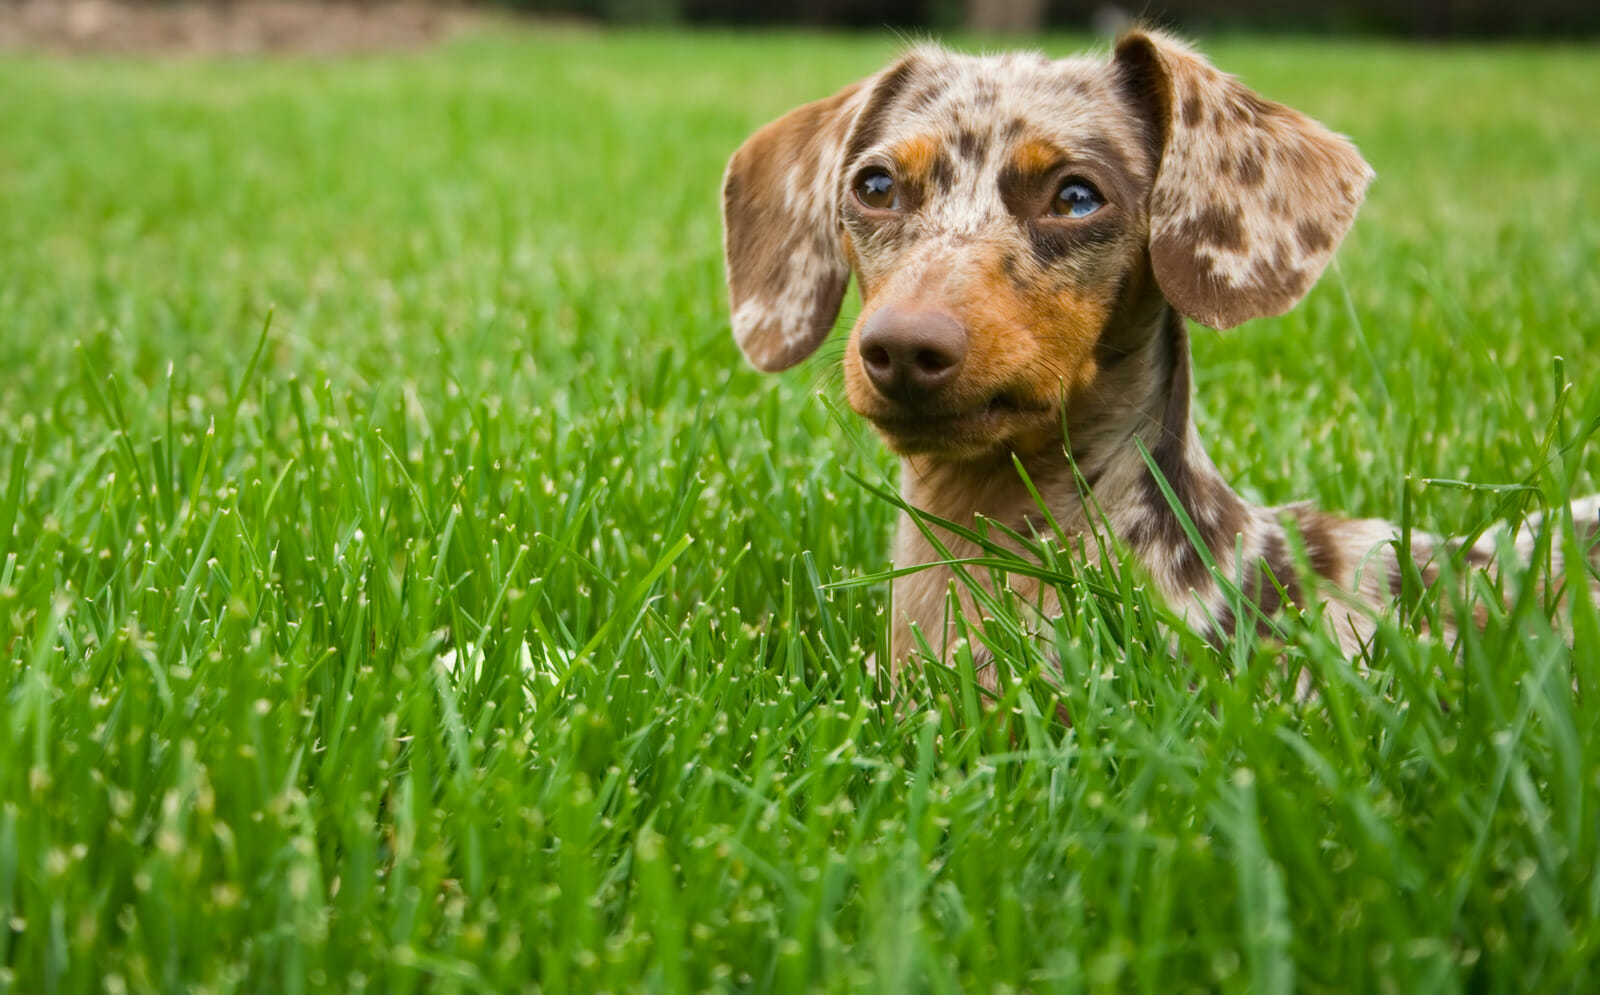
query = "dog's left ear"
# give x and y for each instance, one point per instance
(1251, 198)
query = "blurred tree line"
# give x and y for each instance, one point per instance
(1407, 18)
(1414, 18)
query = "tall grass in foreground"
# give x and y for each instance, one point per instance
(403, 585)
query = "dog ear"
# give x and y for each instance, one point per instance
(787, 271)
(1251, 198)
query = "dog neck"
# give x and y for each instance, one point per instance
(1092, 477)
(1097, 486)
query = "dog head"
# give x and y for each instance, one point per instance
(1003, 214)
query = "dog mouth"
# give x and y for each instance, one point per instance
(967, 431)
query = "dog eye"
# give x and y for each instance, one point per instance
(1076, 199)
(875, 189)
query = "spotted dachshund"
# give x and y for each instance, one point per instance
(1029, 236)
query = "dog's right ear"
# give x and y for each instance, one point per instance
(781, 234)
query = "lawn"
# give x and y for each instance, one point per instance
(404, 584)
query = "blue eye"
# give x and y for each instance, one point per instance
(1076, 199)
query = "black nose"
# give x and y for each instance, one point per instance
(910, 355)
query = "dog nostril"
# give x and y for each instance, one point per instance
(876, 357)
(934, 361)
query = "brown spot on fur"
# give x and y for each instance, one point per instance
(825, 299)
(1397, 583)
(1223, 630)
(1274, 571)
(1423, 555)
(1188, 568)
(1218, 227)
(1249, 170)
(1313, 237)
(942, 173)
(1255, 106)
(925, 97)
(1019, 192)
(1008, 266)
(969, 146)
(1243, 109)
(1193, 111)
(1319, 534)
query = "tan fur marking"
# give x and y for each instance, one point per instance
(916, 156)
(1033, 156)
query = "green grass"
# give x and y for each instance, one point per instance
(497, 419)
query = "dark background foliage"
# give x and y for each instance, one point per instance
(1407, 18)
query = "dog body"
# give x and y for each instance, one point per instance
(1028, 236)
